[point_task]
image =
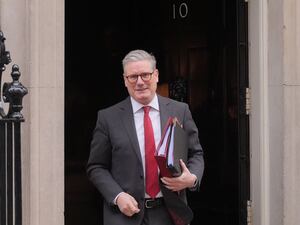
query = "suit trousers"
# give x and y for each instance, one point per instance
(157, 216)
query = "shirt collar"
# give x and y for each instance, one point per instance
(136, 106)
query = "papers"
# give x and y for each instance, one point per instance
(165, 142)
(170, 157)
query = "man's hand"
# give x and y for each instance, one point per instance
(185, 180)
(127, 204)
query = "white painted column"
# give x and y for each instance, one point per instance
(35, 37)
(274, 34)
(291, 34)
(259, 117)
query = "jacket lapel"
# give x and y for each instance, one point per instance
(128, 121)
(164, 111)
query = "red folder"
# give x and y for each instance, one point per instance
(177, 149)
(162, 149)
(171, 148)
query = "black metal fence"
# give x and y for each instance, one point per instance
(10, 142)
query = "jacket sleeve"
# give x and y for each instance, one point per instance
(99, 162)
(195, 161)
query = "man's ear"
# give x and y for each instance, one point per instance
(157, 74)
(125, 83)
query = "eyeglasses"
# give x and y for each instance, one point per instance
(145, 77)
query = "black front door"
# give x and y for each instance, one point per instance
(201, 42)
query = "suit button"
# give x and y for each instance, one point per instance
(141, 176)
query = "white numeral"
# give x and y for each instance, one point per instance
(183, 10)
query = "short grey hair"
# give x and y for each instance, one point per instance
(139, 55)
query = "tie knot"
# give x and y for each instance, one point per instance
(146, 109)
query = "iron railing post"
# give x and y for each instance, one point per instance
(10, 143)
(2, 173)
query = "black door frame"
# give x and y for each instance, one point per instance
(243, 117)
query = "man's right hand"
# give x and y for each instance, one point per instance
(127, 204)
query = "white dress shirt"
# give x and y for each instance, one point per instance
(138, 113)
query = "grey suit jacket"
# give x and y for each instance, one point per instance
(115, 163)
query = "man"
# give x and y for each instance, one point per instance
(120, 165)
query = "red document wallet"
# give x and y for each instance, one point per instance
(172, 147)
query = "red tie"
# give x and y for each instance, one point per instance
(152, 185)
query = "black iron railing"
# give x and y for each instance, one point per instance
(10, 142)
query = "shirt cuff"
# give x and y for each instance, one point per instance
(115, 199)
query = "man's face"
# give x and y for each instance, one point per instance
(142, 91)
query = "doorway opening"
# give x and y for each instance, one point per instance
(200, 42)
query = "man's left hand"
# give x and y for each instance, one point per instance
(185, 180)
